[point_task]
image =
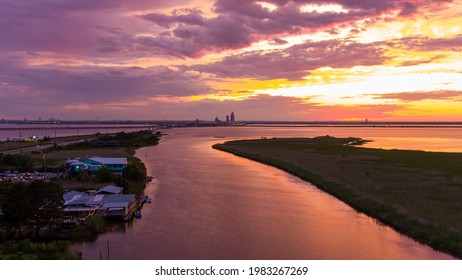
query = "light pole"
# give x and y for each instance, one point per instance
(20, 140)
(44, 162)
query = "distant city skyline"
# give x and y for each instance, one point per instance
(228, 118)
(290, 60)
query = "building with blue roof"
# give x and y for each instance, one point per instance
(94, 164)
(79, 206)
(110, 190)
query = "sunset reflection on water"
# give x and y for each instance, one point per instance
(210, 204)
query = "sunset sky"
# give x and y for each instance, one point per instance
(299, 60)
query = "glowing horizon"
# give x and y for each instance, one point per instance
(389, 60)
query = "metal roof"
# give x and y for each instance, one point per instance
(78, 201)
(112, 205)
(110, 189)
(118, 198)
(80, 208)
(103, 160)
(69, 195)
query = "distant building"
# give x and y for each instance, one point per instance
(217, 120)
(227, 118)
(232, 116)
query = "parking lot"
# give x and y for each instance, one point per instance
(26, 176)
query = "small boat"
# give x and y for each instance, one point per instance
(146, 199)
(137, 214)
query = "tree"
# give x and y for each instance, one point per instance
(134, 174)
(104, 175)
(12, 203)
(21, 162)
(45, 204)
(37, 204)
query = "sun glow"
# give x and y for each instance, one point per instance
(270, 7)
(358, 89)
(388, 30)
(431, 109)
(323, 8)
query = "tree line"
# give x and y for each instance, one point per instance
(30, 207)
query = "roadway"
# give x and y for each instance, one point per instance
(43, 147)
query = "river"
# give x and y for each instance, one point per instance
(209, 204)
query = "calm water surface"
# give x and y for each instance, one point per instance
(208, 204)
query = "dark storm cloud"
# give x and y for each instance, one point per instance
(295, 62)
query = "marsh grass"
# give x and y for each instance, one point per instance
(417, 193)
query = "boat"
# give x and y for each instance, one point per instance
(146, 199)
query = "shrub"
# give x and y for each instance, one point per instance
(105, 176)
(96, 224)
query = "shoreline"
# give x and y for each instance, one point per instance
(133, 182)
(283, 154)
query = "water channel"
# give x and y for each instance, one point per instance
(209, 204)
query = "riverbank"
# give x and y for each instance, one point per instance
(417, 193)
(132, 180)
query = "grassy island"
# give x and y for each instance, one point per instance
(417, 193)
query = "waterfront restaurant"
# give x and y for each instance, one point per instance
(80, 206)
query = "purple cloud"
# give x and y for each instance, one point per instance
(242, 22)
(430, 44)
(278, 41)
(295, 62)
(44, 43)
(25, 88)
(188, 16)
(408, 8)
(73, 27)
(195, 40)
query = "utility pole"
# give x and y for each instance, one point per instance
(20, 140)
(44, 162)
(107, 249)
